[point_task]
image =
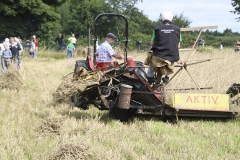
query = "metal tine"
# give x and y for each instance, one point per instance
(174, 75)
(193, 80)
(194, 45)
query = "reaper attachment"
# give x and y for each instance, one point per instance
(184, 64)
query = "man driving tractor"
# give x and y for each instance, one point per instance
(105, 51)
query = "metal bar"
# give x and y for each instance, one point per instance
(200, 110)
(198, 28)
(174, 75)
(189, 88)
(178, 65)
(126, 29)
(89, 49)
(137, 67)
(146, 92)
(193, 80)
(193, 48)
(201, 61)
(143, 107)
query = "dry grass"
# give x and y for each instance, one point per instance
(33, 126)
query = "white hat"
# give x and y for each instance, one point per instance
(73, 35)
(6, 41)
(16, 39)
(167, 16)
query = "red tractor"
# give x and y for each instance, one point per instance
(125, 90)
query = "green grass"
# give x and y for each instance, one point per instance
(33, 126)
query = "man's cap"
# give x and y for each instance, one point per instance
(111, 35)
(73, 35)
(167, 16)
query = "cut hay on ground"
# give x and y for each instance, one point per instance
(50, 126)
(69, 87)
(70, 151)
(11, 80)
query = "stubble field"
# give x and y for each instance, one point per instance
(33, 126)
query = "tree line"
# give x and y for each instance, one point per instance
(47, 18)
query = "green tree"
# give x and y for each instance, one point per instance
(227, 32)
(83, 13)
(39, 17)
(236, 6)
(81, 17)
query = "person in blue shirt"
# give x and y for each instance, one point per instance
(105, 51)
(6, 55)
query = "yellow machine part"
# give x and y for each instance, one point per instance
(218, 102)
(82, 73)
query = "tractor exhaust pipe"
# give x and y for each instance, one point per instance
(125, 96)
(122, 110)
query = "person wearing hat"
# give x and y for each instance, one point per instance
(2, 48)
(165, 43)
(73, 40)
(105, 51)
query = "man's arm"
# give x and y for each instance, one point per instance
(152, 38)
(180, 40)
(117, 56)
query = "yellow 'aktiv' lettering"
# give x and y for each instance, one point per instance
(202, 99)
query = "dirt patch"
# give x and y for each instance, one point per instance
(72, 151)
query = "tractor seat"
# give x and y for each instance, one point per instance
(103, 65)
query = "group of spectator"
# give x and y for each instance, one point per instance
(12, 50)
(70, 47)
(32, 46)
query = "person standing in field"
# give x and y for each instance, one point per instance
(20, 40)
(20, 52)
(59, 40)
(70, 50)
(32, 50)
(73, 40)
(35, 40)
(165, 44)
(14, 47)
(6, 55)
(200, 42)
